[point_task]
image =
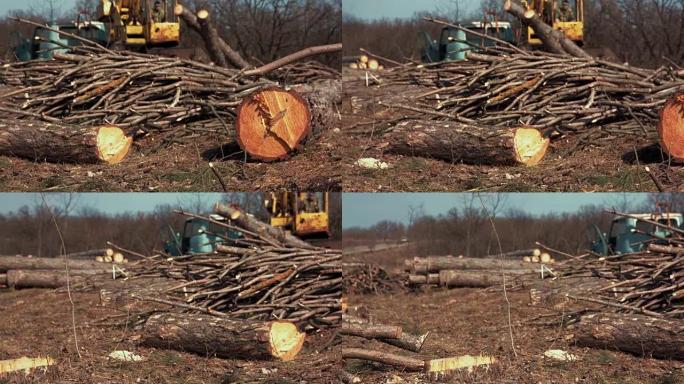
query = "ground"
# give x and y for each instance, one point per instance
(610, 163)
(474, 321)
(38, 323)
(183, 166)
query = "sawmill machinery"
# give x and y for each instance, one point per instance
(634, 233)
(141, 24)
(304, 214)
(564, 15)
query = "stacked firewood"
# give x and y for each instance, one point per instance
(367, 278)
(452, 272)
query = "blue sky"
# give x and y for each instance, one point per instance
(366, 209)
(378, 9)
(8, 5)
(110, 203)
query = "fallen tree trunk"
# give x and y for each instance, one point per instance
(636, 334)
(214, 336)
(18, 262)
(671, 127)
(272, 123)
(461, 143)
(436, 264)
(252, 224)
(520, 252)
(91, 253)
(302, 54)
(371, 331)
(554, 40)
(224, 48)
(54, 142)
(356, 326)
(44, 279)
(474, 279)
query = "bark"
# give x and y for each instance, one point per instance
(636, 334)
(438, 263)
(44, 141)
(268, 131)
(19, 262)
(671, 127)
(405, 362)
(474, 279)
(91, 253)
(229, 54)
(214, 336)
(430, 279)
(289, 59)
(554, 40)
(210, 37)
(252, 224)
(347, 378)
(521, 252)
(44, 278)
(351, 325)
(461, 143)
(371, 331)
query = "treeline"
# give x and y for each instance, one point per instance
(38, 230)
(261, 31)
(641, 33)
(468, 231)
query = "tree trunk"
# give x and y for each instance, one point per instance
(671, 127)
(214, 336)
(252, 224)
(405, 362)
(438, 263)
(371, 331)
(554, 40)
(458, 142)
(210, 37)
(273, 122)
(44, 141)
(228, 53)
(15, 278)
(356, 326)
(18, 262)
(520, 253)
(636, 334)
(91, 253)
(475, 279)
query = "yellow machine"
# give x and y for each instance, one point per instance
(565, 15)
(305, 214)
(141, 24)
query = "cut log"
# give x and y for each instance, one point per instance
(252, 224)
(228, 53)
(90, 253)
(347, 378)
(520, 252)
(435, 368)
(474, 279)
(461, 143)
(271, 123)
(357, 326)
(44, 141)
(18, 262)
(44, 279)
(554, 40)
(214, 336)
(291, 58)
(636, 334)
(665, 249)
(671, 127)
(210, 37)
(431, 278)
(436, 264)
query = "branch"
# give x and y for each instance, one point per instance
(306, 52)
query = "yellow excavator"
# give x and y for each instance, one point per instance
(141, 24)
(304, 214)
(565, 15)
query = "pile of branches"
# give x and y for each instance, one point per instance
(367, 278)
(505, 86)
(256, 277)
(650, 282)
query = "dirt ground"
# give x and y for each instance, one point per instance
(474, 321)
(38, 323)
(183, 166)
(610, 163)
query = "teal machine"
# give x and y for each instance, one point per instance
(45, 42)
(454, 43)
(199, 236)
(629, 234)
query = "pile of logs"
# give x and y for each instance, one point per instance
(367, 278)
(364, 62)
(88, 105)
(452, 272)
(45, 272)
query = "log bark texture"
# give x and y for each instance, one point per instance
(54, 142)
(473, 279)
(462, 143)
(636, 334)
(18, 262)
(357, 326)
(671, 127)
(43, 278)
(435, 264)
(213, 336)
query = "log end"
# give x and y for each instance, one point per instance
(271, 123)
(443, 368)
(203, 14)
(112, 144)
(671, 127)
(285, 340)
(529, 14)
(530, 146)
(178, 10)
